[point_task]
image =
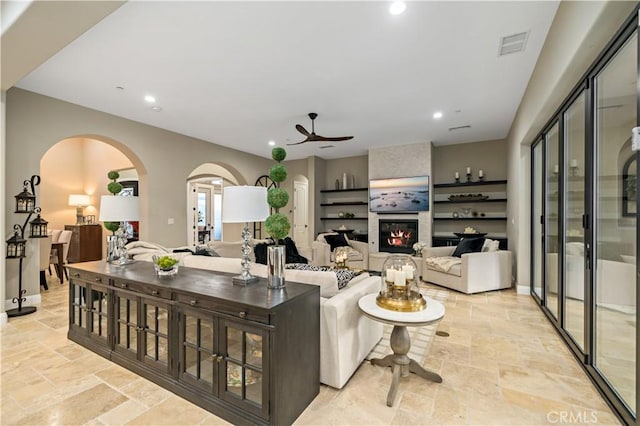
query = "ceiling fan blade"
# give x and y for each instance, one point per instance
(302, 130)
(335, 139)
(298, 143)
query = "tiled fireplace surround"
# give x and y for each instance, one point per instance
(401, 161)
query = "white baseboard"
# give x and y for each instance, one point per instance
(34, 299)
(523, 289)
(3, 319)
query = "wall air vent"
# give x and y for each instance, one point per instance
(467, 126)
(513, 43)
(326, 146)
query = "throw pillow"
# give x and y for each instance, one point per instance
(260, 250)
(343, 275)
(291, 252)
(468, 245)
(335, 241)
(206, 251)
(490, 245)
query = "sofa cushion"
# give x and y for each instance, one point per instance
(468, 245)
(336, 241)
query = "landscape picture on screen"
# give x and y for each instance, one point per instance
(399, 195)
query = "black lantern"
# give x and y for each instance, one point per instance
(38, 226)
(25, 201)
(15, 244)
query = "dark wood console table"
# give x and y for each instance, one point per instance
(247, 354)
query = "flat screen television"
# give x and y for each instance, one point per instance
(399, 195)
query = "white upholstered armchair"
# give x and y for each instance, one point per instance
(323, 255)
(475, 272)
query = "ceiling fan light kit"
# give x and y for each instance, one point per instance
(312, 137)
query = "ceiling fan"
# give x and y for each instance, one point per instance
(312, 137)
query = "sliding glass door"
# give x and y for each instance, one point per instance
(574, 217)
(584, 221)
(552, 209)
(537, 237)
(616, 222)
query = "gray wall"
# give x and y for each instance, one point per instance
(488, 156)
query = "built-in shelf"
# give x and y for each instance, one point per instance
(469, 218)
(346, 203)
(477, 183)
(343, 190)
(344, 218)
(490, 200)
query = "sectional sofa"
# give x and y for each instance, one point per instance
(346, 336)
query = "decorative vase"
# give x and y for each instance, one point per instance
(275, 266)
(112, 248)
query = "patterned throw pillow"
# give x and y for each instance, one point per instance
(343, 275)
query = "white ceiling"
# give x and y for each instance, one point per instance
(242, 73)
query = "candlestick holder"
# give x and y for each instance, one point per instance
(457, 179)
(469, 177)
(481, 178)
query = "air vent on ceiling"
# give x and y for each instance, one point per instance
(326, 146)
(513, 43)
(467, 126)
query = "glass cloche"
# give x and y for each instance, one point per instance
(400, 289)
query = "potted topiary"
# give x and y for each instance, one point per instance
(277, 225)
(114, 187)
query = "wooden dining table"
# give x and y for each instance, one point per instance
(59, 247)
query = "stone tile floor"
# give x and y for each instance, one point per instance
(503, 364)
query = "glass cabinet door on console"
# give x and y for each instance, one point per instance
(142, 329)
(89, 308)
(225, 358)
(154, 331)
(246, 349)
(198, 361)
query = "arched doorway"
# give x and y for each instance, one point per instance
(79, 165)
(204, 202)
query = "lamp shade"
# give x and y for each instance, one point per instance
(244, 204)
(79, 200)
(115, 208)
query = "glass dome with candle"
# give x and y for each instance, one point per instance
(400, 289)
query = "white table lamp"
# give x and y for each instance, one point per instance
(115, 208)
(244, 204)
(79, 201)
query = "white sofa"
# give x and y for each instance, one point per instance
(484, 271)
(346, 335)
(323, 255)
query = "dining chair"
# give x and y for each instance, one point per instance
(65, 239)
(45, 253)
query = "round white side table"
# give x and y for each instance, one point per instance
(399, 361)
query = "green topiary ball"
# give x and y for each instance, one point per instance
(277, 226)
(278, 173)
(114, 187)
(112, 226)
(277, 197)
(113, 175)
(278, 154)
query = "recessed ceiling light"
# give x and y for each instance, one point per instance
(272, 143)
(397, 7)
(149, 99)
(156, 108)
(437, 115)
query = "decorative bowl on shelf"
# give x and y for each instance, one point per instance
(470, 235)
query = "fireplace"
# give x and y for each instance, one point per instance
(397, 235)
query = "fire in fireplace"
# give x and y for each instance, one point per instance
(397, 235)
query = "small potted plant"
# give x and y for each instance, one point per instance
(165, 265)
